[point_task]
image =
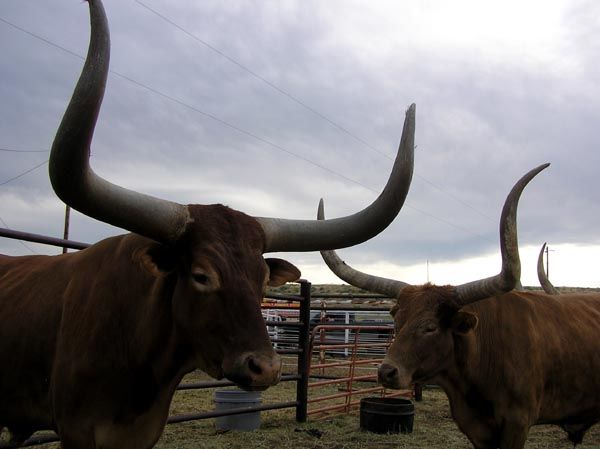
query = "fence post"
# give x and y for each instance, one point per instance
(418, 392)
(304, 356)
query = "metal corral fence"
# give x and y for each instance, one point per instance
(322, 347)
(349, 336)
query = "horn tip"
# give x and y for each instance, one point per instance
(321, 210)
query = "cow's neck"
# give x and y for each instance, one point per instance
(461, 383)
(165, 352)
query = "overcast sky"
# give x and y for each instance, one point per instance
(267, 106)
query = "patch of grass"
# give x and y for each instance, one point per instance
(433, 428)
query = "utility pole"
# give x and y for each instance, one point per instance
(66, 231)
(547, 251)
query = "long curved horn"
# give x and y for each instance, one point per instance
(509, 247)
(72, 178)
(544, 281)
(388, 287)
(77, 185)
(312, 235)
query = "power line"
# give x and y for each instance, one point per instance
(219, 120)
(24, 173)
(238, 129)
(446, 222)
(408, 205)
(298, 101)
(186, 105)
(20, 241)
(23, 151)
(453, 197)
(36, 36)
(261, 78)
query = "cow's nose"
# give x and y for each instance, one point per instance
(263, 370)
(387, 374)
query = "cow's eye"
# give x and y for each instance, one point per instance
(205, 280)
(430, 329)
(201, 278)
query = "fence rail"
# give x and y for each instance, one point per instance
(37, 238)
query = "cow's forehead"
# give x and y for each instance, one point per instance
(413, 307)
(418, 301)
(218, 225)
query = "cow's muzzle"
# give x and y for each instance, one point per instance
(391, 376)
(387, 375)
(256, 371)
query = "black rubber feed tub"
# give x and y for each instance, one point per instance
(387, 415)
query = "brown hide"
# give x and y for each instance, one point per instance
(506, 362)
(98, 340)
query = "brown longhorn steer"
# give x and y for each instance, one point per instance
(506, 359)
(93, 344)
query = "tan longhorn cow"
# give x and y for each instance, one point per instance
(94, 343)
(506, 359)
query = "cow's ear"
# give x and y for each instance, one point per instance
(157, 259)
(463, 322)
(281, 271)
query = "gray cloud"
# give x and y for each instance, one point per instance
(196, 127)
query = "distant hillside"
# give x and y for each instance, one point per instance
(327, 289)
(334, 289)
(567, 289)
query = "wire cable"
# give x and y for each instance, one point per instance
(298, 101)
(261, 78)
(3, 183)
(23, 151)
(219, 120)
(20, 241)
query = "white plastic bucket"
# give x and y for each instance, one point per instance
(236, 398)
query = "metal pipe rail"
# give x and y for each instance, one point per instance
(37, 238)
(319, 343)
(224, 383)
